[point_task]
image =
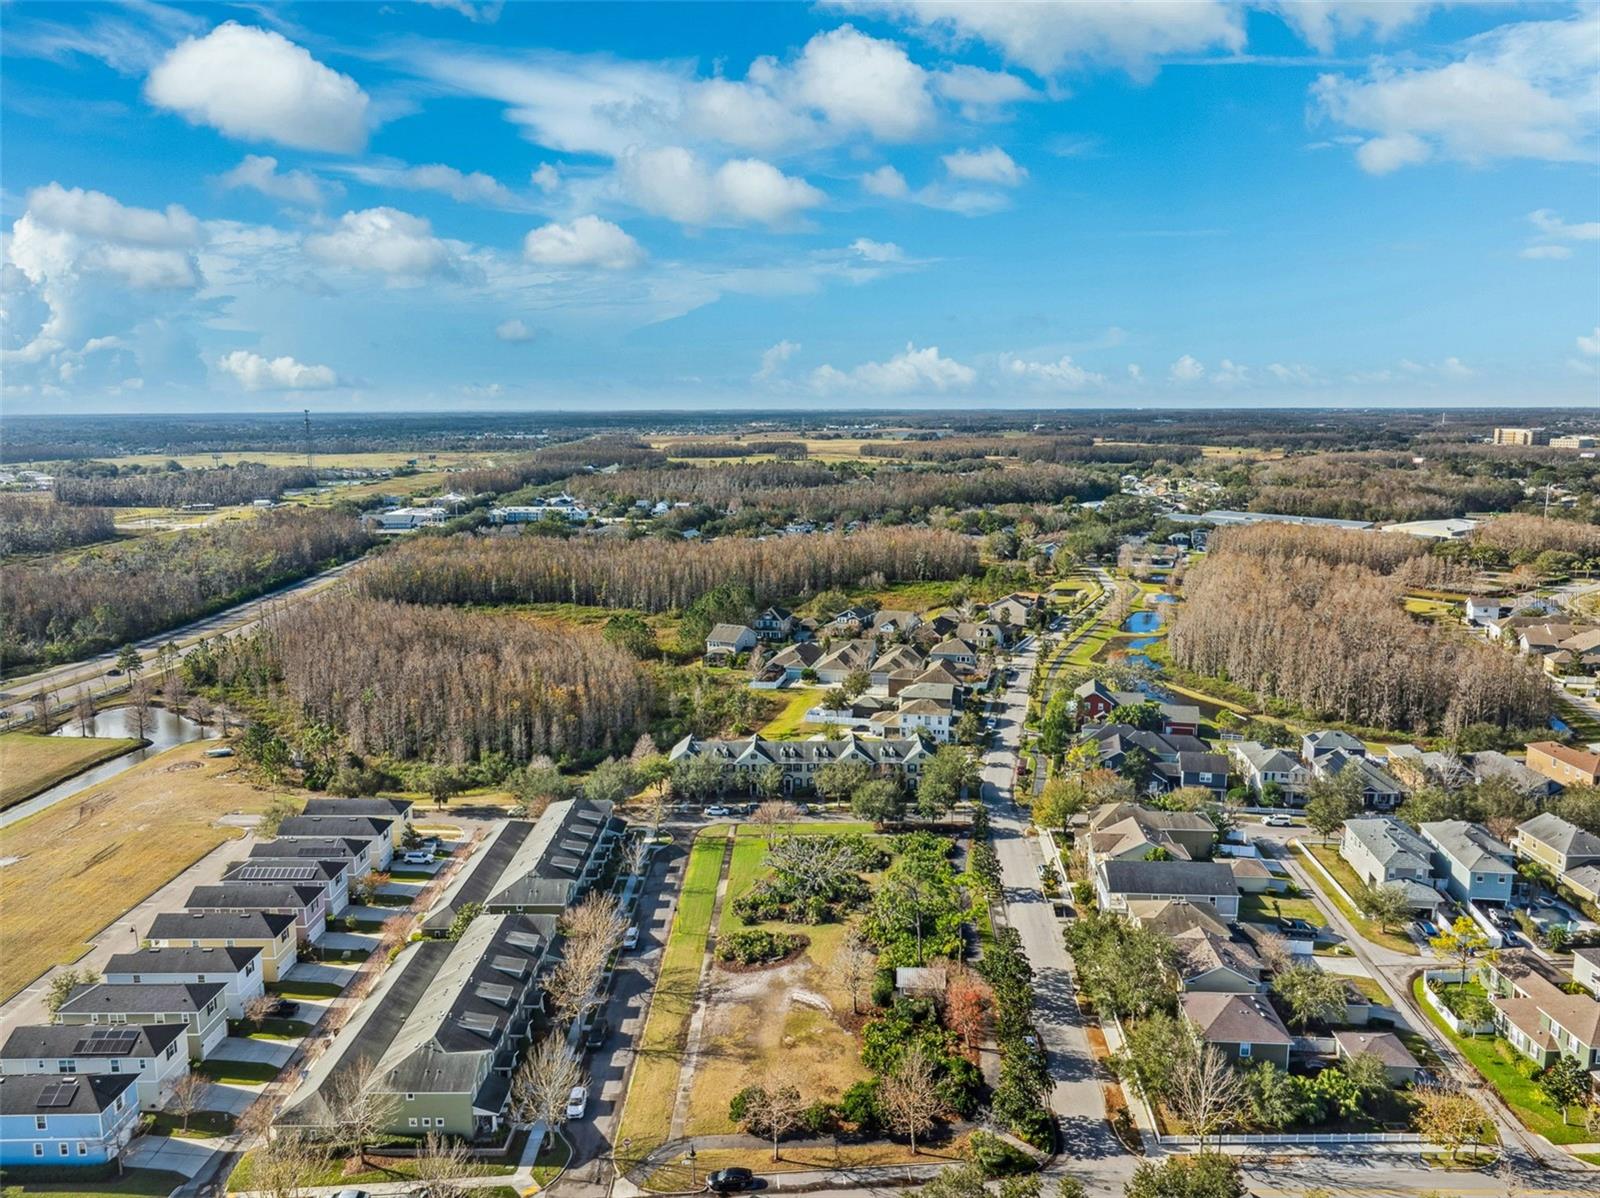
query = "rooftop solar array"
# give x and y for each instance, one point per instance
(60, 1094)
(110, 1042)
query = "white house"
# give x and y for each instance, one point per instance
(1482, 612)
(154, 1053)
(728, 640)
(238, 969)
(1261, 765)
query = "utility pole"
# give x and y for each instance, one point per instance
(307, 414)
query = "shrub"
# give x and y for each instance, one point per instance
(859, 1105)
(739, 1104)
(883, 988)
(997, 1158)
(820, 1118)
(756, 946)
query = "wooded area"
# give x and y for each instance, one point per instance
(1313, 616)
(1028, 449)
(134, 487)
(418, 682)
(656, 575)
(107, 597)
(38, 524)
(1376, 486)
(555, 463)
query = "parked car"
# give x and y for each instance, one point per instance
(630, 938)
(598, 1033)
(418, 857)
(282, 1008)
(351, 1194)
(1279, 821)
(1425, 928)
(718, 811)
(430, 843)
(577, 1102)
(1302, 926)
(730, 1181)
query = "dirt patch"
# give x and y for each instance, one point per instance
(178, 767)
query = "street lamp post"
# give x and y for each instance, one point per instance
(692, 1178)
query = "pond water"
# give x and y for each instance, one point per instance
(1142, 621)
(163, 729)
(1162, 598)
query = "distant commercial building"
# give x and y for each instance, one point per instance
(1575, 441)
(1454, 529)
(1225, 516)
(406, 519)
(1520, 436)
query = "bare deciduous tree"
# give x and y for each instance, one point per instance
(188, 1093)
(286, 1164)
(139, 707)
(910, 1095)
(200, 711)
(84, 708)
(440, 1167)
(541, 1084)
(772, 816)
(773, 1111)
(1207, 1092)
(357, 1109)
(853, 965)
(259, 1009)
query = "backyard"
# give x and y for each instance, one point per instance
(790, 722)
(1329, 858)
(30, 763)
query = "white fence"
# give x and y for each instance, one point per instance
(1460, 1026)
(1330, 1139)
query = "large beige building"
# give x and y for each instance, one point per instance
(1520, 436)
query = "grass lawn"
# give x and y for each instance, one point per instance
(554, 1154)
(675, 1176)
(1368, 987)
(1346, 877)
(652, 1090)
(106, 850)
(1499, 1063)
(203, 1125)
(380, 1169)
(134, 1183)
(289, 988)
(269, 1029)
(236, 1073)
(30, 763)
(1264, 908)
(789, 721)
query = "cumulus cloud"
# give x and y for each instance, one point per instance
(1186, 370)
(465, 187)
(856, 82)
(1291, 373)
(1230, 374)
(981, 94)
(674, 182)
(257, 85)
(385, 240)
(1590, 344)
(1553, 253)
(259, 172)
(545, 177)
(877, 251)
(256, 373)
(95, 214)
(586, 242)
(886, 182)
(1551, 225)
(514, 330)
(1523, 90)
(913, 371)
(774, 358)
(1064, 374)
(1321, 23)
(988, 165)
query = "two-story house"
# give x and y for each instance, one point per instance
(378, 832)
(238, 969)
(1262, 766)
(201, 1010)
(154, 1054)
(1533, 1011)
(954, 652)
(1206, 771)
(66, 1119)
(1556, 844)
(355, 850)
(272, 933)
(1202, 883)
(730, 640)
(1474, 865)
(773, 624)
(308, 904)
(1382, 851)
(1563, 764)
(332, 875)
(379, 807)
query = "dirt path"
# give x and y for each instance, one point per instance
(697, 1019)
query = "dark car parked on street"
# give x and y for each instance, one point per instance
(730, 1181)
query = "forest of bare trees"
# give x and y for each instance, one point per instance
(555, 463)
(1376, 486)
(1522, 538)
(173, 488)
(110, 596)
(653, 574)
(784, 450)
(1029, 449)
(38, 524)
(1313, 617)
(439, 685)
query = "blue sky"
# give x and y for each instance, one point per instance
(434, 205)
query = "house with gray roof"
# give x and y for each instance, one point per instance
(398, 810)
(357, 851)
(272, 933)
(333, 875)
(66, 1120)
(744, 759)
(442, 1031)
(1217, 962)
(1202, 883)
(1556, 844)
(376, 831)
(1263, 765)
(308, 904)
(237, 968)
(1383, 851)
(1243, 1026)
(1474, 866)
(729, 640)
(202, 1010)
(153, 1053)
(1490, 765)
(1379, 790)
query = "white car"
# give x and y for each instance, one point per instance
(718, 811)
(577, 1102)
(418, 857)
(1278, 821)
(630, 938)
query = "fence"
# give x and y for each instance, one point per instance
(1458, 1025)
(1327, 1140)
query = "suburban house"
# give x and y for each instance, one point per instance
(844, 659)
(1492, 764)
(203, 1010)
(66, 1119)
(1208, 961)
(1244, 1026)
(1203, 883)
(1483, 612)
(1586, 968)
(1383, 851)
(1262, 765)
(151, 1053)
(904, 659)
(742, 760)
(1400, 1067)
(1319, 744)
(237, 968)
(443, 1030)
(1017, 609)
(1556, 844)
(398, 810)
(1096, 701)
(1540, 1019)
(358, 851)
(926, 717)
(1173, 917)
(773, 624)
(536, 868)
(1208, 771)
(1128, 832)
(332, 875)
(985, 634)
(850, 621)
(308, 904)
(375, 830)
(272, 933)
(1570, 767)
(793, 660)
(1113, 742)
(730, 640)
(1379, 791)
(1474, 865)
(893, 623)
(955, 652)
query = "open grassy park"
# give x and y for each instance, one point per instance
(109, 848)
(30, 763)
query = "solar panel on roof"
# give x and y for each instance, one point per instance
(109, 1042)
(60, 1094)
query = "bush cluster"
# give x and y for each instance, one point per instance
(756, 946)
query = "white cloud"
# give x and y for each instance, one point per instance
(95, 214)
(1551, 225)
(1230, 374)
(465, 187)
(385, 240)
(773, 359)
(257, 85)
(1064, 374)
(988, 165)
(1455, 368)
(1048, 35)
(545, 177)
(513, 330)
(259, 172)
(675, 183)
(1321, 23)
(1186, 370)
(1590, 344)
(877, 251)
(478, 14)
(913, 371)
(1135, 372)
(746, 115)
(1291, 373)
(1549, 253)
(980, 93)
(856, 82)
(256, 373)
(586, 242)
(1523, 90)
(886, 182)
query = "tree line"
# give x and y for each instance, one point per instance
(1308, 617)
(99, 484)
(424, 683)
(39, 524)
(556, 462)
(784, 450)
(655, 575)
(1377, 486)
(1523, 538)
(104, 597)
(1029, 449)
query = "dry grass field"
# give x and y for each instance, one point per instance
(30, 763)
(78, 866)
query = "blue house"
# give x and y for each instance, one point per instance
(66, 1118)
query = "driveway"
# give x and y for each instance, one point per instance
(264, 1052)
(172, 1155)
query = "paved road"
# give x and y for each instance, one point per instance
(17, 693)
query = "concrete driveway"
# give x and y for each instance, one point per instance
(172, 1155)
(318, 971)
(235, 1100)
(265, 1052)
